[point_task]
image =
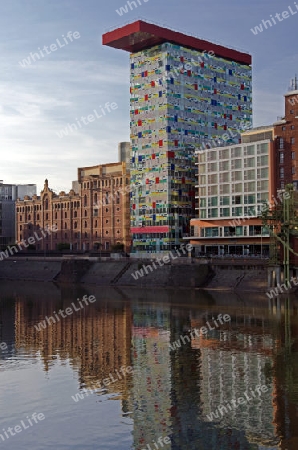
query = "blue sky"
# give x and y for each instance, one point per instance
(38, 101)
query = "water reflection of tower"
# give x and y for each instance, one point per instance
(185, 386)
(151, 389)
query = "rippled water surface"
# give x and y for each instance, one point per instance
(133, 371)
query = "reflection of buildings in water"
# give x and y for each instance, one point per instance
(151, 402)
(234, 363)
(190, 429)
(95, 340)
(7, 330)
(286, 371)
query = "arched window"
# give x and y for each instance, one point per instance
(118, 198)
(37, 216)
(65, 225)
(95, 224)
(85, 223)
(95, 198)
(75, 225)
(75, 214)
(85, 200)
(107, 198)
(65, 215)
(86, 214)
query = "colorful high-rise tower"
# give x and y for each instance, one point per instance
(185, 94)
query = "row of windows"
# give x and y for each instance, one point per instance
(282, 157)
(281, 142)
(292, 126)
(23, 209)
(75, 214)
(249, 199)
(234, 164)
(108, 198)
(282, 172)
(234, 152)
(237, 211)
(103, 183)
(250, 186)
(251, 230)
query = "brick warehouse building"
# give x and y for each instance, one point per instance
(286, 153)
(181, 99)
(286, 142)
(94, 217)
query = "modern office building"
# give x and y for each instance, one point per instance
(185, 93)
(235, 184)
(95, 217)
(9, 193)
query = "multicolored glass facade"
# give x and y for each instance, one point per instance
(181, 101)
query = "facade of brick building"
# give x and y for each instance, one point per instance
(95, 218)
(286, 143)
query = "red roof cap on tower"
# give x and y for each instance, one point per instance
(141, 35)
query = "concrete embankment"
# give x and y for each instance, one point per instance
(184, 273)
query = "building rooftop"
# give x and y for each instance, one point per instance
(258, 129)
(141, 35)
(291, 93)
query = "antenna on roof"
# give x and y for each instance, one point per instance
(294, 84)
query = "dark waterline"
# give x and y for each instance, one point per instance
(131, 391)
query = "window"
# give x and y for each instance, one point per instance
(224, 200)
(292, 127)
(238, 211)
(281, 172)
(224, 212)
(281, 157)
(293, 170)
(249, 199)
(281, 143)
(291, 111)
(293, 155)
(212, 201)
(283, 128)
(292, 140)
(236, 200)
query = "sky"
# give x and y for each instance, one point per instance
(40, 99)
